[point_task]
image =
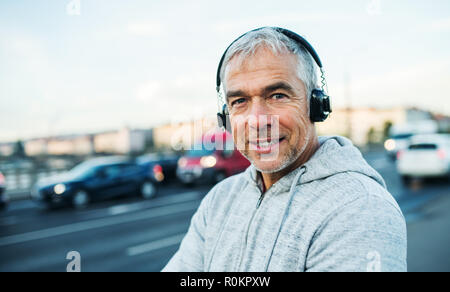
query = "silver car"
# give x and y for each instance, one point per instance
(426, 156)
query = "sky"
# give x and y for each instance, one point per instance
(76, 66)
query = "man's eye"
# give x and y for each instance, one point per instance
(237, 101)
(278, 96)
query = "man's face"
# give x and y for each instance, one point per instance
(267, 103)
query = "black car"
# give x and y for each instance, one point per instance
(161, 166)
(95, 180)
(3, 201)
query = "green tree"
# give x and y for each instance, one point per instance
(372, 136)
(19, 149)
(387, 129)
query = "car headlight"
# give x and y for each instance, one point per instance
(182, 162)
(59, 189)
(208, 161)
(389, 145)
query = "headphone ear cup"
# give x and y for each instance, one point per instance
(223, 120)
(320, 107)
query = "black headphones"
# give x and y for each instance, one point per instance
(320, 106)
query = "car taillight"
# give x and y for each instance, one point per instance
(441, 154)
(158, 173)
(2, 179)
(400, 154)
(157, 168)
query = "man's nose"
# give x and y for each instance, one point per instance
(259, 115)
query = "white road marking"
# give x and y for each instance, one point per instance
(179, 198)
(155, 245)
(97, 223)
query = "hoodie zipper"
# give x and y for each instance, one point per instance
(260, 200)
(248, 231)
(298, 176)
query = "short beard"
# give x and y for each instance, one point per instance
(291, 157)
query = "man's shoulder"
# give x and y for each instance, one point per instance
(368, 190)
(363, 219)
(349, 191)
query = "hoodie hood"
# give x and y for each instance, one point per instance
(335, 155)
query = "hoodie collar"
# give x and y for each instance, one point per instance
(283, 185)
(338, 155)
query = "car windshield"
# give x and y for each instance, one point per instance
(402, 136)
(82, 170)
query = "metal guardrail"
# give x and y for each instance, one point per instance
(20, 181)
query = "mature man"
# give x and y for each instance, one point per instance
(306, 203)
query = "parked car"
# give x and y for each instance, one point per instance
(3, 200)
(95, 180)
(162, 166)
(397, 143)
(426, 156)
(400, 135)
(207, 162)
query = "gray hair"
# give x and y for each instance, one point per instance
(278, 43)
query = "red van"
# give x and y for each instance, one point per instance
(211, 160)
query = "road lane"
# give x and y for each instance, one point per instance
(36, 219)
(101, 242)
(97, 247)
(429, 238)
(98, 223)
(155, 245)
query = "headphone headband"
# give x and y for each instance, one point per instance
(290, 34)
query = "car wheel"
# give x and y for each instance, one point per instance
(406, 180)
(80, 199)
(148, 190)
(189, 184)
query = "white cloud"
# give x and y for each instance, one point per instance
(441, 25)
(146, 28)
(282, 19)
(186, 96)
(148, 91)
(423, 84)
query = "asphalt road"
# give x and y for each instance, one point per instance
(131, 234)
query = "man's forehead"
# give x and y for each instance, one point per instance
(264, 59)
(257, 72)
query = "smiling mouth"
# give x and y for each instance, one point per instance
(266, 143)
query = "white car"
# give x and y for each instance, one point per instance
(426, 156)
(397, 143)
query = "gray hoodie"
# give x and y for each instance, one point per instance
(332, 214)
